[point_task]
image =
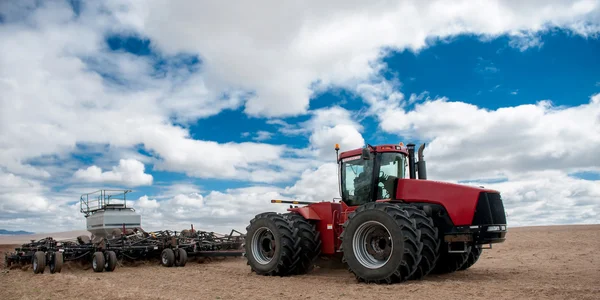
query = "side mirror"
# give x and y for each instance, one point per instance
(366, 154)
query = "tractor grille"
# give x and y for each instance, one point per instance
(489, 210)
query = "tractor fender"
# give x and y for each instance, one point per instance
(307, 212)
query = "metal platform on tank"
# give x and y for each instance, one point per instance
(106, 211)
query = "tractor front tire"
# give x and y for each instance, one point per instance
(270, 246)
(473, 257)
(429, 238)
(381, 243)
(309, 240)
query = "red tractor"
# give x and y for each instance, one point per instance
(386, 228)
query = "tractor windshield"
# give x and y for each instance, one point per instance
(357, 177)
(391, 166)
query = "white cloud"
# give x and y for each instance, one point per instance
(262, 135)
(145, 202)
(296, 44)
(129, 172)
(488, 143)
(315, 185)
(549, 197)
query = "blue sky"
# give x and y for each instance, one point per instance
(210, 115)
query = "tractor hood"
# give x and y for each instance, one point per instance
(459, 200)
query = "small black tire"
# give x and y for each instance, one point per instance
(110, 261)
(309, 241)
(56, 263)
(270, 247)
(472, 258)
(98, 262)
(396, 232)
(181, 259)
(167, 257)
(39, 262)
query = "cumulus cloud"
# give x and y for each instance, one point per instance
(333, 44)
(549, 197)
(494, 143)
(129, 172)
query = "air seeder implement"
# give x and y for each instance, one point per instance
(388, 226)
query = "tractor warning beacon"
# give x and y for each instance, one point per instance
(390, 225)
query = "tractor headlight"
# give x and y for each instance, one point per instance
(493, 228)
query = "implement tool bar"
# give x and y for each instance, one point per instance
(292, 202)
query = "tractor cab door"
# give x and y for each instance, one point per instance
(356, 180)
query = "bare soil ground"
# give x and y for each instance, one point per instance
(561, 262)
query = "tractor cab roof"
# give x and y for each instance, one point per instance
(399, 148)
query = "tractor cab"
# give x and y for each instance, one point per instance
(369, 174)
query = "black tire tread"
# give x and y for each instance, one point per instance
(111, 259)
(99, 257)
(40, 256)
(182, 258)
(472, 258)
(170, 257)
(449, 262)
(429, 238)
(57, 262)
(288, 258)
(308, 241)
(412, 244)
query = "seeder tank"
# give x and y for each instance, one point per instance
(106, 210)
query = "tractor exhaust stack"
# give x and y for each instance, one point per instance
(411, 161)
(421, 167)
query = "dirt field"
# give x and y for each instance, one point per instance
(535, 263)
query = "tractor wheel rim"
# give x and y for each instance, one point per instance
(263, 245)
(164, 258)
(35, 264)
(372, 244)
(94, 263)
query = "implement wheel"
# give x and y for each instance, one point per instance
(381, 243)
(181, 259)
(270, 245)
(110, 263)
(98, 262)
(39, 262)
(167, 257)
(56, 262)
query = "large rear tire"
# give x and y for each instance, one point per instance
(308, 238)
(270, 246)
(473, 257)
(381, 243)
(429, 238)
